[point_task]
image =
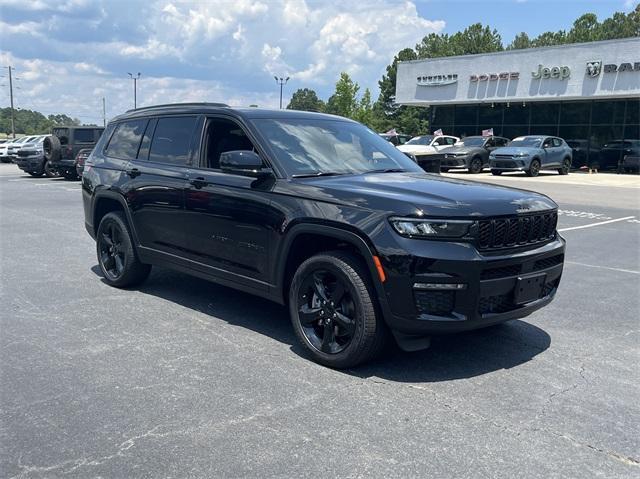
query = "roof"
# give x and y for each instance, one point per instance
(210, 108)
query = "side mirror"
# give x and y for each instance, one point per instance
(243, 162)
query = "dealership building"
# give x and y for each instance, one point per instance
(588, 93)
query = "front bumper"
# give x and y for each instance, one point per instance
(29, 163)
(515, 164)
(454, 162)
(489, 281)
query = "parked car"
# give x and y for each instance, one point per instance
(315, 212)
(532, 154)
(612, 153)
(3, 152)
(397, 139)
(81, 157)
(62, 147)
(471, 153)
(30, 159)
(427, 144)
(12, 148)
(582, 150)
(629, 164)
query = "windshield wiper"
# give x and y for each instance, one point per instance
(317, 173)
(388, 170)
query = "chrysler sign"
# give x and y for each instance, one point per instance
(437, 80)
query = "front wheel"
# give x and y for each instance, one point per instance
(70, 175)
(534, 168)
(49, 171)
(566, 166)
(475, 166)
(496, 172)
(444, 170)
(116, 256)
(35, 174)
(333, 312)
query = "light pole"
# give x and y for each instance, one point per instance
(104, 112)
(135, 79)
(281, 81)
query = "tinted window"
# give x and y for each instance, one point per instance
(126, 140)
(143, 154)
(171, 140)
(420, 140)
(557, 142)
(83, 136)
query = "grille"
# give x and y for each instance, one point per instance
(504, 157)
(517, 231)
(548, 262)
(501, 272)
(439, 303)
(504, 164)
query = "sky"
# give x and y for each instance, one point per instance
(69, 54)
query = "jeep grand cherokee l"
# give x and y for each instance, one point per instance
(321, 214)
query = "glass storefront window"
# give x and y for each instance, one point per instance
(608, 112)
(512, 131)
(607, 143)
(466, 115)
(443, 115)
(575, 113)
(543, 113)
(464, 130)
(490, 116)
(517, 114)
(633, 112)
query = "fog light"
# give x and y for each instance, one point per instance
(440, 286)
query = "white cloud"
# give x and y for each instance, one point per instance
(219, 50)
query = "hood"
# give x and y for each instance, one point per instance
(512, 150)
(416, 148)
(460, 149)
(413, 194)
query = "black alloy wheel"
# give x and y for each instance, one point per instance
(566, 166)
(111, 254)
(117, 257)
(534, 168)
(496, 172)
(326, 312)
(49, 171)
(475, 166)
(333, 310)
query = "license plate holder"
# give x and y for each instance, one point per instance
(529, 288)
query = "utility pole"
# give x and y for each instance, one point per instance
(13, 125)
(135, 93)
(281, 81)
(104, 113)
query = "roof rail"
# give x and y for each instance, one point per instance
(167, 105)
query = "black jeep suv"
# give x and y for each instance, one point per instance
(62, 147)
(319, 213)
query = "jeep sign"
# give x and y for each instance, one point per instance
(560, 73)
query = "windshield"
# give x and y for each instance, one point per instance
(310, 146)
(420, 140)
(526, 142)
(473, 141)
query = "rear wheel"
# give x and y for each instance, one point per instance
(116, 256)
(534, 168)
(475, 166)
(333, 312)
(566, 166)
(35, 174)
(496, 172)
(444, 170)
(70, 175)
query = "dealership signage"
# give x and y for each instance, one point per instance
(594, 68)
(495, 76)
(437, 80)
(561, 72)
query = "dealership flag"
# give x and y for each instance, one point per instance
(488, 132)
(438, 132)
(392, 131)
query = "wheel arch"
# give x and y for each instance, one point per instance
(106, 201)
(305, 240)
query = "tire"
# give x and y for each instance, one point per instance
(36, 174)
(534, 168)
(496, 172)
(475, 166)
(5, 160)
(70, 175)
(52, 148)
(566, 166)
(117, 257)
(49, 171)
(333, 290)
(444, 170)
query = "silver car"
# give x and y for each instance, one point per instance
(532, 154)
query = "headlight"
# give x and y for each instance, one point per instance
(520, 155)
(426, 228)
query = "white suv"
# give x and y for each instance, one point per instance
(427, 144)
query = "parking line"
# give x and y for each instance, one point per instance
(603, 267)
(596, 224)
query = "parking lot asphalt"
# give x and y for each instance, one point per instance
(184, 378)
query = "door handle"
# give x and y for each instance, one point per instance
(133, 172)
(198, 182)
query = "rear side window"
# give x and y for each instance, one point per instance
(83, 136)
(172, 139)
(557, 142)
(126, 139)
(62, 134)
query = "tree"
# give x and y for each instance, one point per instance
(585, 29)
(344, 101)
(364, 111)
(305, 99)
(521, 41)
(473, 39)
